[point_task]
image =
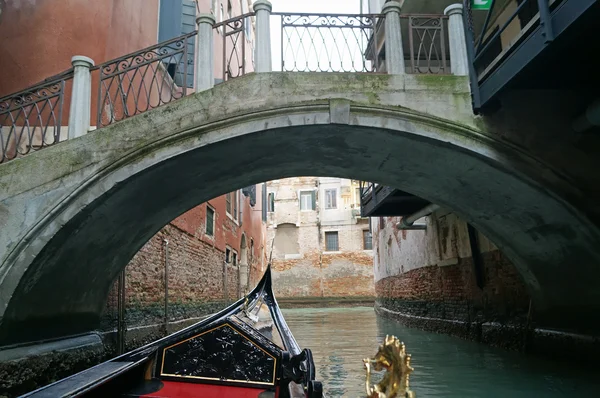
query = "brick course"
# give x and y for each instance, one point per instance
(450, 292)
(195, 267)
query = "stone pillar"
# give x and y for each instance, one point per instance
(262, 55)
(205, 78)
(394, 53)
(81, 97)
(459, 61)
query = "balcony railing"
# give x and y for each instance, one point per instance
(149, 78)
(143, 80)
(32, 119)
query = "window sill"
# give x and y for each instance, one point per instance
(332, 252)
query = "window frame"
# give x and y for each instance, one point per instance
(313, 199)
(327, 192)
(366, 232)
(209, 208)
(232, 205)
(337, 241)
(271, 202)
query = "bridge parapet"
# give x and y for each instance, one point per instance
(97, 96)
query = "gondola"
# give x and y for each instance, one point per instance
(246, 350)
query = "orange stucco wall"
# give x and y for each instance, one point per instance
(39, 37)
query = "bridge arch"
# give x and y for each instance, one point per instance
(125, 182)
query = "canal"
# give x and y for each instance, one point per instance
(444, 366)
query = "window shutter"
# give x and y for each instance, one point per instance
(313, 195)
(188, 25)
(169, 22)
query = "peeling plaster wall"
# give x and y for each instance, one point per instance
(431, 274)
(309, 270)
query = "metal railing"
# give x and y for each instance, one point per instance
(328, 43)
(427, 43)
(162, 73)
(32, 119)
(144, 80)
(485, 48)
(234, 46)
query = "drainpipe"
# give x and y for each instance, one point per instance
(589, 119)
(408, 223)
(319, 231)
(166, 314)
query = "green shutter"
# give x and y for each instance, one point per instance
(313, 195)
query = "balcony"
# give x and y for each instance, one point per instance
(531, 44)
(382, 201)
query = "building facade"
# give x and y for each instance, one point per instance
(321, 247)
(448, 278)
(197, 264)
(206, 256)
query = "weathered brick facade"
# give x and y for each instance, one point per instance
(196, 265)
(303, 265)
(428, 279)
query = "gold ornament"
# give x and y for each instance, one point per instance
(392, 358)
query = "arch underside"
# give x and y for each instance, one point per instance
(64, 289)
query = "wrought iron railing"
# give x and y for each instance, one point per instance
(144, 80)
(427, 43)
(32, 119)
(328, 43)
(234, 46)
(159, 74)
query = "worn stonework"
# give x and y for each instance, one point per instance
(451, 292)
(303, 264)
(428, 279)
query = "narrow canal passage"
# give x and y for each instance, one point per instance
(444, 366)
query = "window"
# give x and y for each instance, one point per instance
(367, 240)
(231, 204)
(307, 200)
(230, 256)
(271, 202)
(177, 17)
(228, 203)
(331, 198)
(210, 221)
(331, 242)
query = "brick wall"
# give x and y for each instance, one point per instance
(324, 275)
(451, 292)
(302, 266)
(195, 265)
(431, 274)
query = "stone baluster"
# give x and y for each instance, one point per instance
(262, 56)
(205, 79)
(459, 61)
(394, 53)
(81, 97)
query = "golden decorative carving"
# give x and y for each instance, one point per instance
(392, 358)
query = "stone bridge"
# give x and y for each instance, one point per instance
(74, 214)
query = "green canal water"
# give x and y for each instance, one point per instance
(444, 366)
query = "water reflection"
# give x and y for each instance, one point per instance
(444, 366)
